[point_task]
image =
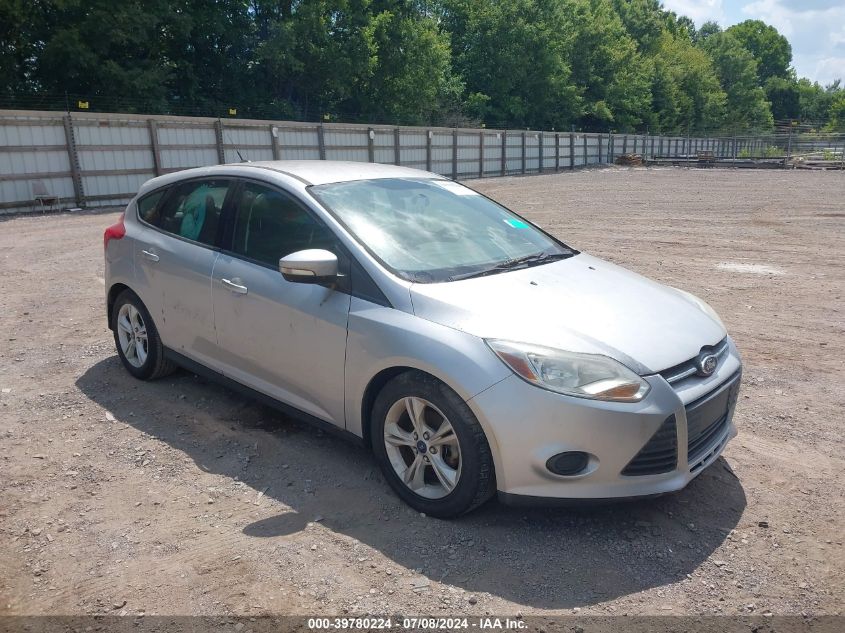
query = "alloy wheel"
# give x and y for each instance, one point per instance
(132, 335)
(422, 447)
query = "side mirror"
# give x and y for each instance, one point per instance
(312, 266)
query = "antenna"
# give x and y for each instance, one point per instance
(237, 151)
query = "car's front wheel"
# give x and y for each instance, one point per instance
(430, 446)
(137, 340)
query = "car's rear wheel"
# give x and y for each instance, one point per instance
(431, 448)
(136, 338)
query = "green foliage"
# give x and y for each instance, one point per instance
(513, 57)
(621, 65)
(836, 114)
(737, 72)
(770, 49)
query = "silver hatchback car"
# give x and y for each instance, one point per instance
(471, 350)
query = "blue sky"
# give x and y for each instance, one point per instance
(815, 28)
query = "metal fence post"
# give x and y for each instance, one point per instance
(481, 154)
(274, 141)
(454, 154)
(557, 151)
(428, 135)
(153, 130)
(218, 135)
(321, 141)
(371, 145)
(397, 146)
(73, 157)
(523, 152)
(571, 150)
(504, 152)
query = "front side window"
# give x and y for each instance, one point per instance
(191, 210)
(271, 224)
(428, 230)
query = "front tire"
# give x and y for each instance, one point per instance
(430, 447)
(136, 339)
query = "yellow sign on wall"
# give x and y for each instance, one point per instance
(233, 111)
(82, 105)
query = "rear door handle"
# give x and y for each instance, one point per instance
(150, 256)
(234, 285)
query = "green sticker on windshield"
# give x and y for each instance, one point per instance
(517, 224)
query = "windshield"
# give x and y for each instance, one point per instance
(428, 230)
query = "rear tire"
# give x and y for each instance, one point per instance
(136, 339)
(441, 465)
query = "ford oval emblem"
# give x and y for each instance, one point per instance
(707, 364)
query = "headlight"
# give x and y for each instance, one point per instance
(703, 306)
(580, 375)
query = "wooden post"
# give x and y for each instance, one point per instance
(153, 130)
(571, 150)
(557, 151)
(371, 145)
(73, 157)
(274, 141)
(586, 160)
(454, 154)
(397, 146)
(600, 141)
(481, 154)
(523, 152)
(321, 141)
(218, 135)
(428, 135)
(504, 152)
(625, 144)
(540, 151)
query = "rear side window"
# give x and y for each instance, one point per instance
(271, 224)
(148, 206)
(190, 210)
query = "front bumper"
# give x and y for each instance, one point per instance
(526, 425)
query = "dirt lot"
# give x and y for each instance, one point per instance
(179, 497)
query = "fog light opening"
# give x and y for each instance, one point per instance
(568, 464)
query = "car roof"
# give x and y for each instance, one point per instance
(308, 172)
(320, 172)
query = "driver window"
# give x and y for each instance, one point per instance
(270, 224)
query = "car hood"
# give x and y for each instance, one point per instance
(580, 304)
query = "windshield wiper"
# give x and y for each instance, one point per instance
(512, 264)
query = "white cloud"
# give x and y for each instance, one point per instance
(699, 11)
(816, 30)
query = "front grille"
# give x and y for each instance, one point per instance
(660, 453)
(690, 367)
(708, 417)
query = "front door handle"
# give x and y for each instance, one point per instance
(235, 285)
(150, 256)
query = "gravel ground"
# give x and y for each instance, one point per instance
(179, 497)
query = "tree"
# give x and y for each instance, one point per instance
(687, 93)
(769, 48)
(513, 58)
(836, 114)
(612, 76)
(783, 94)
(412, 80)
(736, 68)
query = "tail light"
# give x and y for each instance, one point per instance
(114, 232)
